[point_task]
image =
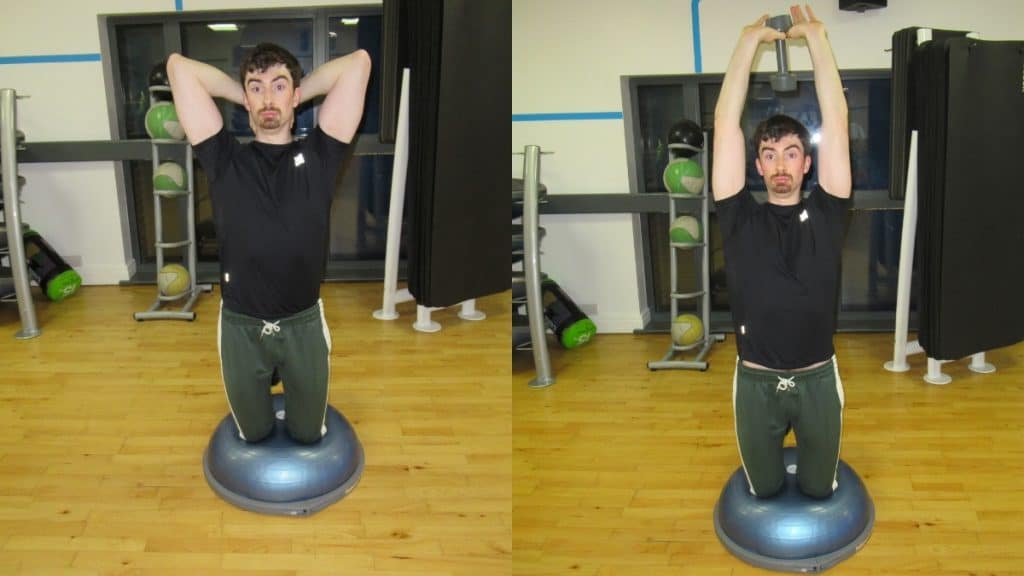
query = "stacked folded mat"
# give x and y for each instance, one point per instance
(967, 104)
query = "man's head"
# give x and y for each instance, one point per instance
(782, 145)
(270, 76)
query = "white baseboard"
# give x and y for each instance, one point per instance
(103, 275)
(618, 324)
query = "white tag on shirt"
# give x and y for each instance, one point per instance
(299, 160)
(227, 277)
(804, 216)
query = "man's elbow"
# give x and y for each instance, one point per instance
(174, 63)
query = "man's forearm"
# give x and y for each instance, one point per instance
(733, 96)
(831, 99)
(216, 83)
(321, 80)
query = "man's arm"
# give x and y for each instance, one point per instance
(729, 171)
(834, 147)
(194, 85)
(344, 81)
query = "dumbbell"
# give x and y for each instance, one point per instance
(783, 80)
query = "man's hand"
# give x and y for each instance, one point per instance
(804, 26)
(759, 33)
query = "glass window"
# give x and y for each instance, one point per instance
(871, 249)
(359, 215)
(139, 47)
(868, 105)
(360, 209)
(224, 43)
(659, 107)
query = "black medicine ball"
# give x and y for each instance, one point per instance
(158, 77)
(685, 136)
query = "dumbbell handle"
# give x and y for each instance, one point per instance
(782, 80)
(782, 23)
(780, 56)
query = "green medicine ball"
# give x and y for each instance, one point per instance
(683, 177)
(170, 176)
(685, 230)
(162, 122)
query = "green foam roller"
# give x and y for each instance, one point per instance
(63, 285)
(578, 333)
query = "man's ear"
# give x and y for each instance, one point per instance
(297, 97)
(757, 162)
(807, 163)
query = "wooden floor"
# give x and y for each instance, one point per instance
(617, 469)
(614, 470)
(103, 422)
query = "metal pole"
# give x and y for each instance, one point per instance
(531, 264)
(400, 167)
(12, 214)
(190, 231)
(899, 352)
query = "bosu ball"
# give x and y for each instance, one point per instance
(279, 475)
(791, 531)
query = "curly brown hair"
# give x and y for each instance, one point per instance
(265, 55)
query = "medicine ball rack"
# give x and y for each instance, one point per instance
(189, 243)
(703, 255)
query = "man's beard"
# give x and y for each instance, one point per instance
(784, 187)
(270, 122)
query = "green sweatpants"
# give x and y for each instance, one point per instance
(767, 404)
(298, 348)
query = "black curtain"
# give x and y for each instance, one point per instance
(458, 53)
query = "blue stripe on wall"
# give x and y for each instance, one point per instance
(567, 116)
(49, 58)
(695, 19)
(179, 5)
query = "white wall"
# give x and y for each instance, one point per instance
(75, 205)
(569, 56)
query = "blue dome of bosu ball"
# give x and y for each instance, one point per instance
(279, 475)
(791, 531)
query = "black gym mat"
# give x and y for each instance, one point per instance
(903, 101)
(971, 98)
(459, 130)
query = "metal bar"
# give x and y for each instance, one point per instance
(12, 214)
(531, 263)
(400, 166)
(705, 257)
(906, 265)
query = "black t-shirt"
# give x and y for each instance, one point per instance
(271, 204)
(783, 265)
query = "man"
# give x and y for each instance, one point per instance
(271, 201)
(782, 263)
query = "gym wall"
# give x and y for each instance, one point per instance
(74, 205)
(569, 56)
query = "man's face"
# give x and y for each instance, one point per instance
(782, 163)
(271, 98)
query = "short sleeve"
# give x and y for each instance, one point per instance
(215, 153)
(329, 150)
(734, 211)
